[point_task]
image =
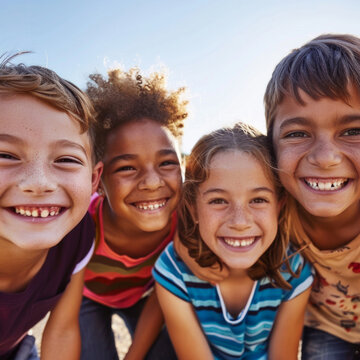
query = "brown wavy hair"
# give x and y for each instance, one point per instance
(323, 67)
(247, 139)
(47, 86)
(126, 96)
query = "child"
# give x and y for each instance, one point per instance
(47, 178)
(312, 105)
(229, 214)
(140, 125)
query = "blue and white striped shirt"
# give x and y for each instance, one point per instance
(247, 336)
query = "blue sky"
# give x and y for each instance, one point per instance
(223, 51)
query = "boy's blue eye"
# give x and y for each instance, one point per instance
(352, 132)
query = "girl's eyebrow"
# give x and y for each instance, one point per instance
(122, 157)
(128, 157)
(347, 119)
(222, 191)
(263, 188)
(213, 190)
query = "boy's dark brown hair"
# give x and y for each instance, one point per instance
(324, 67)
(243, 138)
(46, 85)
(129, 96)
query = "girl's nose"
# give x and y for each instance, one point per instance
(240, 218)
(151, 180)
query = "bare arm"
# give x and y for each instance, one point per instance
(211, 274)
(147, 329)
(289, 322)
(185, 332)
(61, 338)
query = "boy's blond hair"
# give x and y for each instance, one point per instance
(324, 67)
(47, 86)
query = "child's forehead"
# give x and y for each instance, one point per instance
(23, 114)
(144, 130)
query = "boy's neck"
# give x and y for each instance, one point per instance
(329, 233)
(125, 239)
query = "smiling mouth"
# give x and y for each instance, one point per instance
(238, 243)
(150, 205)
(37, 211)
(326, 185)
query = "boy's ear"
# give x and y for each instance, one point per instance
(96, 175)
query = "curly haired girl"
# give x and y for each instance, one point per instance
(139, 126)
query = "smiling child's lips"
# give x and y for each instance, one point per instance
(42, 211)
(326, 184)
(151, 204)
(239, 241)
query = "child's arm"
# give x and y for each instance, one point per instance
(185, 332)
(211, 274)
(61, 338)
(289, 322)
(147, 329)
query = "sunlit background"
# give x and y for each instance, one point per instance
(223, 51)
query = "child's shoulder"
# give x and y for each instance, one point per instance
(301, 275)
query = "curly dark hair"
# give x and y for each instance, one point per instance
(247, 139)
(129, 96)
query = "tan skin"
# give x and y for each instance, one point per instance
(127, 242)
(236, 201)
(43, 165)
(320, 140)
(137, 174)
(327, 235)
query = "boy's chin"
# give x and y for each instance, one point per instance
(326, 211)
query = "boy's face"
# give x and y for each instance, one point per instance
(317, 146)
(46, 175)
(142, 176)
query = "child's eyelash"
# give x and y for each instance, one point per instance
(217, 201)
(8, 156)
(260, 200)
(125, 168)
(69, 160)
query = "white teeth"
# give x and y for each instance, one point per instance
(37, 212)
(326, 185)
(239, 243)
(151, 206)
(44, 213)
